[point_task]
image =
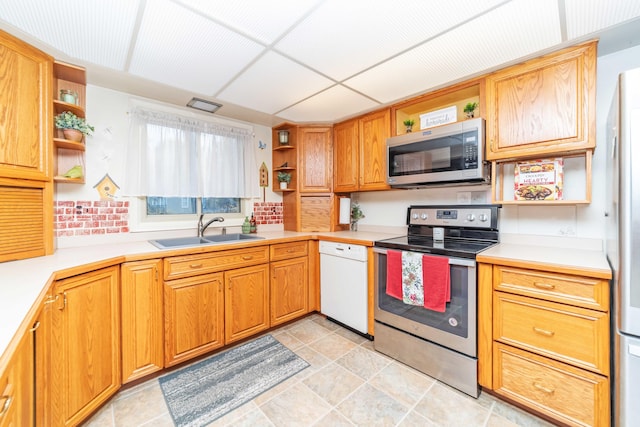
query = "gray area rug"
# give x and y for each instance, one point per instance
(205, 391)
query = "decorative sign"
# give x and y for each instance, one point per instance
(438, 117)
(538, 179)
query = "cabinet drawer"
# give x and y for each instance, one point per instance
(191, 265)
(575, 290)
(288, 250)
(566, 393)
(570, 334)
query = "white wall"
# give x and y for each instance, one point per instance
(582, 221)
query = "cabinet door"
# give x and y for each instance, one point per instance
(142, 319)
(85, 353)
(16, 386)
(374, 130)
(315, 169)
(193, 312)
(26, 122)
(289, 289)
(246, 302)
(543, 106)
(345, 157)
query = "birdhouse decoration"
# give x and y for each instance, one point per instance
(264, 175)
(106, 188)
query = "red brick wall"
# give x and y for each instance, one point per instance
(268, 212)
(85, 218)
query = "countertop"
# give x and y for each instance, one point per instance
(24, 283)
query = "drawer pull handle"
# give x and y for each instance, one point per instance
(543, 388)
(543, 332)
(7, 403)
(544, 286)
(247, 257)
(195, 265)
(290, 250)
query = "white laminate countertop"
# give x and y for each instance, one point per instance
(24, 282)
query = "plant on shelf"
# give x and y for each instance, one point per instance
(72, 126)
(284, 178)
(408, 124)
(356, 215)
(470, 108)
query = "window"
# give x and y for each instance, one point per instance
(192, 205)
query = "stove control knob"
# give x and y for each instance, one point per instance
(414, 216)
(471, 217)
(424, 216)
(483, 217)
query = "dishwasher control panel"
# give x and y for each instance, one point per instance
(343, 250)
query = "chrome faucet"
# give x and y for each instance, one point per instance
(202, 227)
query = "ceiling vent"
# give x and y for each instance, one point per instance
(204, 105)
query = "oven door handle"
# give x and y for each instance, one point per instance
(452, 261)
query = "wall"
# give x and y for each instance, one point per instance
(83, 219)
(568, 222)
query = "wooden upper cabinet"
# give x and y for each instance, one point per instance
(374, 130)
(26, 120)
(314, 151)
(345, 156)
(544, 106)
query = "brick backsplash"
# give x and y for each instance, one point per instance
(85, 218)
(268, 212)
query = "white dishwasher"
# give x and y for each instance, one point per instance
(343, 284)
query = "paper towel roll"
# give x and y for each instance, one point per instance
(345, 210)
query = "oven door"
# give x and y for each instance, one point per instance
(454, 329)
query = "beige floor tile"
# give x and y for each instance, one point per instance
(334, 419)
(404, 384)
(362, 362)
(445, 407)
(231, 417)
(517, 416)
(138, 408)
(276, 390)
(315, 359)
(322, 321)
(351, 336)
(161, 421)
(496, 420)
(102, 418)
(296, 406)
(413, 419)
(288, 340)
(308, 332)
(333, 383)
(255, 418)
(368, 406)
(332, 346)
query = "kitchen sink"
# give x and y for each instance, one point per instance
(183, 242)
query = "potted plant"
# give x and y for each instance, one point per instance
(284, 178)
(409, 124)
(356, 215)
(470, 108)
(73, 127)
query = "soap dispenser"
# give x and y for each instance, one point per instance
(246, 226)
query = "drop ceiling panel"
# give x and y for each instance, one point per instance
(587, 16)
(180, 48)
(515, 30)
(361, 33)
(97, 32)
(273, 83)
(328, 106)
(262, 20)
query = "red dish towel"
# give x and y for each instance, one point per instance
(394, 274)
(436, 282)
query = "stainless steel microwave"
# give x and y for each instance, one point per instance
(448, 154)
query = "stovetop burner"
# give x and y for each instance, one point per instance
(459, 248)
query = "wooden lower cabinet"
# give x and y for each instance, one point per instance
(246, 297)
(85, 344)
(194, 317)
(142, 318)
(289, 289)
(16, 387)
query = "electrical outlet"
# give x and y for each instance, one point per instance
(464, 197)
(478, 197)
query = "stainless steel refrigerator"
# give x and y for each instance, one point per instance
(623, 246)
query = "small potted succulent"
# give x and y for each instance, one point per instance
(408, 124)
(73, 127)
(470, 108)
(284, 178)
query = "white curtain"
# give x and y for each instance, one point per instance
(174, 156)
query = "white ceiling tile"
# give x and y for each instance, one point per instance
(273, 83)
(341, 38)
(262, 20)
(329, 106)
(587, 16)
(180, 48)
(515, 30)
(97, 32)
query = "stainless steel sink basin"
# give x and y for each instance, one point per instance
(184, 242)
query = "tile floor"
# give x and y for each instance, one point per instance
(347, 384)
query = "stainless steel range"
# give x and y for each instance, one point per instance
(436, 259)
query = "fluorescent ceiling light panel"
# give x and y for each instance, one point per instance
(180, 48)
(273, 83)
(587, 16)
(94, 31)
(328, 106)
(515, 30)
(262, 20)
(204, 105)
(341, 38)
